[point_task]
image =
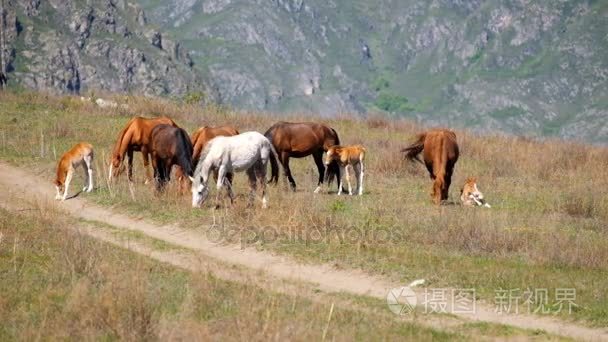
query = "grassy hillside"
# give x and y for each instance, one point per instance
(547, 227)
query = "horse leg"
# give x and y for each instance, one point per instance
(229, 190)
(350, 187)
(318, 157)
(68, 180)
(252, 185)
(360, 180)
(230, 177)
(261, 175)
(447, 182)
(340, 180)
(438, 185)
(130, 165)
(87, 163)
(160, 174)
(221, 173)
(146, 159)
(287, 170)
(85, 168)
(228, 186)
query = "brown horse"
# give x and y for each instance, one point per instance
(201, 137)
(170, 145)
(301, 139)
(440, 156)
(134, 137)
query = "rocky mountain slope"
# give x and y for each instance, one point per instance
(518, 66)
(77, 46)
(521, 66)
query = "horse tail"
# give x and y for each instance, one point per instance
(274, 165)
(185, 157)
(412, 151)
(333, 169)
(270, 133)
(336, 135)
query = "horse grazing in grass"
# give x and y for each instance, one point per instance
(134, 137)
(347, 156)
(199, 139)
(471, 196)
(301, 139)
(79, 155)
(169, 145)
(249, 151)
(440, 156)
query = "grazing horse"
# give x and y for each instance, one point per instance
(134, 137)
(301, 139)
(199, 139)
(471, 196)
(80, 154)
(347, 156)
(169, 146)
(249, 151)
(440, 156)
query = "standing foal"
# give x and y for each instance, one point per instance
(347, 156)
(79, 155)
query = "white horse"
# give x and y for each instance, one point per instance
(249, 151)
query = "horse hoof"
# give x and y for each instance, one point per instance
(317, 190)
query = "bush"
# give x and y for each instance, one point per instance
(393, 103)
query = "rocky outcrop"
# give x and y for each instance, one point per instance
(102, 45)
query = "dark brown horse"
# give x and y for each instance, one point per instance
(440, 156)
(301, 139)
(134, 137)
(170, 146)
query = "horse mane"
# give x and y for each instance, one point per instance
(121, 136)
(203, 156)
(412, 151)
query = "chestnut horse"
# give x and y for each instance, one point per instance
(134, 137)
(440, 156)
(301, 139)
(201, 137)
(169, 145)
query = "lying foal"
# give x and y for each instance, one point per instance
(470, 194)
(347, 156)
(80, 154)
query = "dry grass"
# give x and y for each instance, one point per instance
(58, 284)
(547, 227)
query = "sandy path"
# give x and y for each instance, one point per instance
(22, 184)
